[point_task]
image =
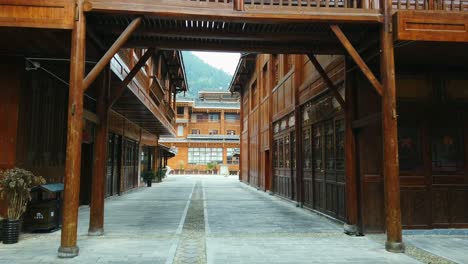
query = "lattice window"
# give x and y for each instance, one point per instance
(409, 148)
(329, 145)
(447, 148)
(318, 147)
(307, 150)
(339, 144)
(280, 153)
(275, 154)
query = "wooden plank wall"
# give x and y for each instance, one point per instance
(10, 87)
(57, 14)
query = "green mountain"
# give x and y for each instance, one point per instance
(202, 76)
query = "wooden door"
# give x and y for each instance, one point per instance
(116, 164)
(318, 167)
(110, 168)
(307, 180)
(267, 164)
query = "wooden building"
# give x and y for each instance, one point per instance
(422, 42)
(208, 129)
(282, 94)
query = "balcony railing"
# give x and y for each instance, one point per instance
(241, 5)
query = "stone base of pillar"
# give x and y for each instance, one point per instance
(351, 230)
(395, 247)
(96, 232)
(68, 252)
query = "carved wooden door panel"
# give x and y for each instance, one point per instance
(307, 167)
(318, 167)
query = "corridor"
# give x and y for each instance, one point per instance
(205, 219)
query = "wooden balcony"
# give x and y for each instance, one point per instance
(139, 104)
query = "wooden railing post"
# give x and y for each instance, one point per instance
(391, 170)
(68, 247)
(238, 5)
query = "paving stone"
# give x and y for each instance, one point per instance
(212, 219)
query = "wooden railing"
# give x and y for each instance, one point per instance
(242, 5)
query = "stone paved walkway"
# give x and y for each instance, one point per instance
(204, 219)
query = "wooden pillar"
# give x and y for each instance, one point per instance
(238, 5)
(96, 218)
(351, 225)
(390, 139)
(298, 131)
(68, 247)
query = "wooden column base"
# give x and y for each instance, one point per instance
(351, 230)
(395, 247)
(96, 232)
(68, 252)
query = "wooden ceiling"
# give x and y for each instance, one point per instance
(207, 35)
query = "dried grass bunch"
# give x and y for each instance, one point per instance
(15, 185)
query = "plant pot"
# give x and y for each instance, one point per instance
(11, 229)
(149, 183)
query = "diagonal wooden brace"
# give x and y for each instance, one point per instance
(121, 40)
(357, 58)
(121, 89)
(327, 80)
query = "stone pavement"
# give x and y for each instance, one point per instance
(205, 219)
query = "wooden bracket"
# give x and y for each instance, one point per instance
(357, 58)
(327, 80)
(123, 85)
(121, 40)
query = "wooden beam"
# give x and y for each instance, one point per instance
(357, 58)
(209, 33)
(240, 46)
(121, 40)
(96, 217)
(209, 11)
(391, 170)
(327, 80)
(68, 247)
(123, 85)
(365, 121)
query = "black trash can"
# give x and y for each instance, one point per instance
(1, 229)
(44, 213)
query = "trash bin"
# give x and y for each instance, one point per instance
(44, 213)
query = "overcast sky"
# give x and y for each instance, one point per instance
(224, 61)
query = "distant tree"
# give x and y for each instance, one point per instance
(203, 77)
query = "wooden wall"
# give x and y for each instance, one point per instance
(10, 87)
(42, 125)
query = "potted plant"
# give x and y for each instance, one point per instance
(148, 177)
(15, 187)
(211, 166)
(160, 175)
(181, 167)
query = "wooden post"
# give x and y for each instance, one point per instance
(390, 139)
(68, 247)
(298, 131)
(96, 218)
(327, 80)
(238, 5)
(116, 93)
(351, 225)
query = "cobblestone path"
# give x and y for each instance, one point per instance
(191, 248)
